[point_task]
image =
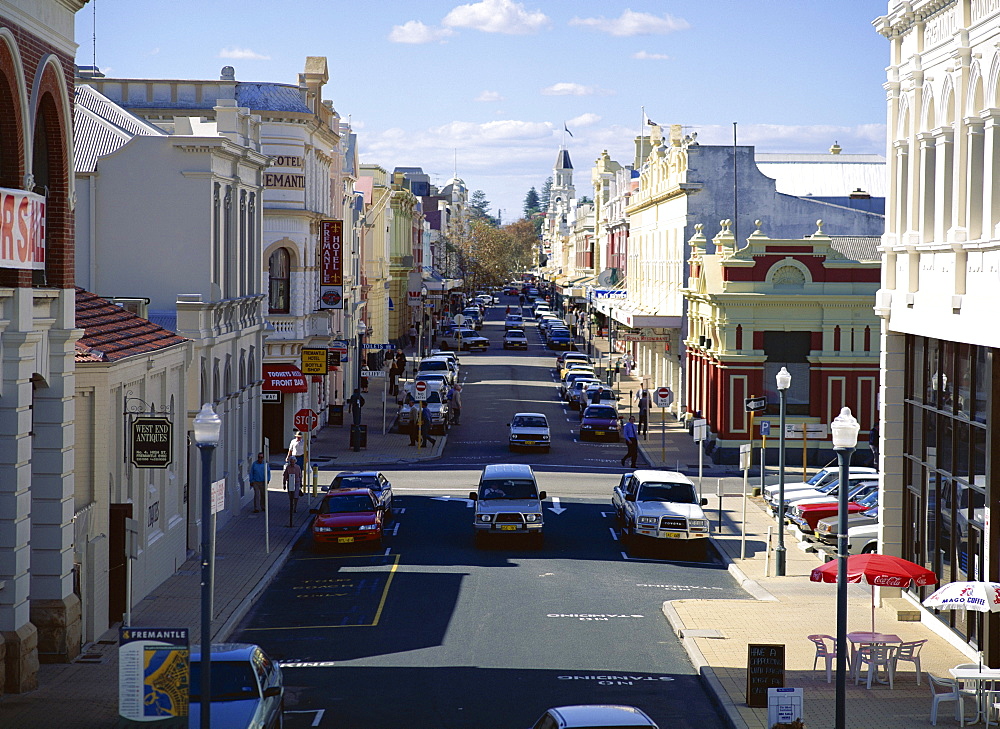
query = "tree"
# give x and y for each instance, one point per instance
(479, 208)
(531, 203)
(543, 198)
(490, 256)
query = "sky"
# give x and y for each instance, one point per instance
(487, 88)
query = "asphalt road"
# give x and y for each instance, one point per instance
(433, 632)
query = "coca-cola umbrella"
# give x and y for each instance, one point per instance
(880, 570)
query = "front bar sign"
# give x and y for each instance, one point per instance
(152, 441)
(331, 247)
(22, 229)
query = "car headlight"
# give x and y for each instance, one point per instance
(368, 527)
(532, 517)
(698, 523)
(322, 529)
(485, 518)
(648, 519)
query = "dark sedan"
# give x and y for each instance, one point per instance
(600, 422)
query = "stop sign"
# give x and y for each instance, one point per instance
(420, 389)
(305, 419)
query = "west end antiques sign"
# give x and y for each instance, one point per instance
(22, 229)
(331, 248)
(152, 441)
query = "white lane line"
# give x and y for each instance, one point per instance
(395, 529)
(614, 534)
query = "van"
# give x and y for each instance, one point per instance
(508, 504)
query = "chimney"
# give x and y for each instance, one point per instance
(835, 149)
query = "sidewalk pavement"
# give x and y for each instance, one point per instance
(784, 610)
(84, 694)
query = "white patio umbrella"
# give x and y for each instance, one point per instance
(983, 597)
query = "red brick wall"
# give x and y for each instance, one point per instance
(59, 215)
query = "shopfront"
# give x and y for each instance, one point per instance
(281, 383)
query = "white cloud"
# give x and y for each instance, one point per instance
(633, 23)
(816, 138)
(647, 56)
(565, 88)
(242, 54)
(496, 16)
(153, 52)
(416, 32)
(584, 120)
(490, 96)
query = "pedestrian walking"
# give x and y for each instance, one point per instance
(873, 444)
(597, 395)
(394, 372)
(355, 402)
(297, 449)
(425, 425)
(631, 436)
(412, 333)
(627, 364)
(292, 480)
(643, 401)
(456, 404)
(260, 476)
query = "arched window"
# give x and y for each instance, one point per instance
(278, 267)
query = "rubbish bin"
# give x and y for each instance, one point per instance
(359, 436)
(336, 415)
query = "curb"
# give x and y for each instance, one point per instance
(715, 688)
(752, 587)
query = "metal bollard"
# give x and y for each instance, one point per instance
(315, 480)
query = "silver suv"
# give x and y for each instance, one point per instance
(508, 502)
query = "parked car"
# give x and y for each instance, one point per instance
(576, 392)
(440, 412)
(466, 340)
(565, 358)
(600, 422)
(515, 339)
(473, 314)
(606, 394)
(349, 516)
(513, 321)
(574, 375)
(823, 477)
(374, 480)
(660, 506)
(829, 492)
(508, 503)
(807, 516)
(248, 689)
(529, 430)
(826, 529)
(597, 716)
(435, 366)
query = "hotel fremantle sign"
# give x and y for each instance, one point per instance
(331, 247)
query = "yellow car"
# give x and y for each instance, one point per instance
(574, 365)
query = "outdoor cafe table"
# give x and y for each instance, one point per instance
(978, 676)
(859, 639)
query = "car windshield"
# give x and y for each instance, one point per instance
(357, 482)
(677, 493)
(828, 488)
(869, 500)
(467, 332)
(231, 681)
(515, 334)
(508, 489)
(434, 364)
(434, 397)
(818, 478)
(353, 504)
(514, 317)
(860, 488)
(529, 421)
(871, 513)
(600, 412)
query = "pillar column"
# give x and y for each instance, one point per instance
(927, 156)
(991, 172)
(944, 170)
(901, 151)
(974, 191)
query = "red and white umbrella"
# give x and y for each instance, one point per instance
(983, 597)
(882, 570)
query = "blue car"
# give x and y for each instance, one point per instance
(560, 339)
(247, 688)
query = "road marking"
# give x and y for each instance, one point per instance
(556, 509)
(615, 680)
(614, 534)
(399, 509)
(468, 502)
(609, 513)
(682, 587)
(316, 720)
(591, 616)
(395, 529)
(305, 664)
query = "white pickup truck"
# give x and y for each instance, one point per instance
(660, 505)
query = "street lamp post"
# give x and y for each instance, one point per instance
(784, 381)
(207, 427)
(845, 437)
(362, 330)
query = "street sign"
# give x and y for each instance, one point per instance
(700, 430)
(814, 431)
(420, 390)
(332, 359)
(664, 397)
(755, 404)
(305, 419)
(152, 441)
(273, 396)
(378, 346)
(746, 454)
(372, 373)
(765, 427)
(218, 495)
(314, 361)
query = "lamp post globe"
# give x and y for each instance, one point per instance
(207, 427)
(783, 380)
(844, 429)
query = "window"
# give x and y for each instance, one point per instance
(278, 267)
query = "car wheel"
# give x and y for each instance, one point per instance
(870, 548)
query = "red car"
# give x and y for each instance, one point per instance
(807, 516)
(600, 421)
(349, 516)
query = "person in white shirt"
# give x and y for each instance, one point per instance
(297, 449)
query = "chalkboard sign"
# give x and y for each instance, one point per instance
(765, 669)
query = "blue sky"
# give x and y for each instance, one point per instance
(492, 82)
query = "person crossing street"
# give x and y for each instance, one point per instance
(631, 436)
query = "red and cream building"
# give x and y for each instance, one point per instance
(39, 610)
(805, 305)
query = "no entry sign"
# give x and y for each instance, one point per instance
(420, 389)
(664, 397)
(305, 419)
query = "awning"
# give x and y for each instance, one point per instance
(284, 378)
(637, 318)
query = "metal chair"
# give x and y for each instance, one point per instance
(947, 689)
(877, 656)
(910, 653)
(827, 654)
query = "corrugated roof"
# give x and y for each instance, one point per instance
(102, 127)
(825, 175)
(858, 248)
(270, 97)
(111, 333)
